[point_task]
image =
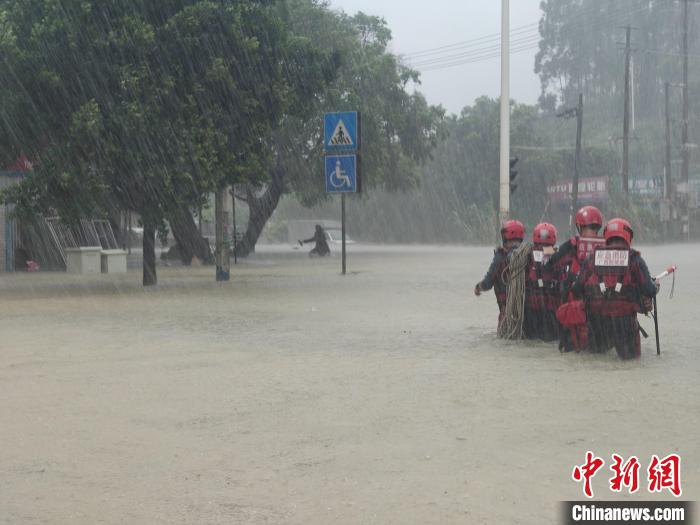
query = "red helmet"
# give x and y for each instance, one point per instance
(512, 230)
(545, 233)
(618, 229)
(589, 216)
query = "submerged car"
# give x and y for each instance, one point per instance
(335, 236)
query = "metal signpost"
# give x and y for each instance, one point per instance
(341, 143)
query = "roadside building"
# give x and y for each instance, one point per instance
(9, 228)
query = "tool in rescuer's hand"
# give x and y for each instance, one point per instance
(671, 270)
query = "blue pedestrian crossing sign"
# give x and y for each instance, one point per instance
(341, 174)
(341, 132)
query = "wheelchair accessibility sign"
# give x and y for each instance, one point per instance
(341, 174)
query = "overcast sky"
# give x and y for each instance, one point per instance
(419, 26)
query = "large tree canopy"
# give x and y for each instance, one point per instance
(399, 129)
(148, 106)
(151, 107)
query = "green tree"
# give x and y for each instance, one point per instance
(399, 129)
(146, 107)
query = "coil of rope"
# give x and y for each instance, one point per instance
(511, 324)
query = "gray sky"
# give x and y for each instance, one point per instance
(419, 26)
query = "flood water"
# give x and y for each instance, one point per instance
(296, 395)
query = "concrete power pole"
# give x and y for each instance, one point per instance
(577, 158)
(504, 184)
(569, 113)
(667, 164)
(684, 130)
(626, 120)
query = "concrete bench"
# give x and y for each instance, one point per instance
(85, 259)
(113, 261)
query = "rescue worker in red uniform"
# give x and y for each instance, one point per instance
(566, 263)
(542, 287)
(571, 254)
(512, 235)
(615, 285)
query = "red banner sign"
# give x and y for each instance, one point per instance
(593, 188)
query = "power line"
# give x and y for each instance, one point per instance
(529, 28)
(481, 58)
(489, 49)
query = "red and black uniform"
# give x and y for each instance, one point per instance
(613, 295)
(566, 264)
(494, 278)
(541, 299)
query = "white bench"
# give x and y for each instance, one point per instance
(85, 259)
(113, 261)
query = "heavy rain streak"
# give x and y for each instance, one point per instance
(299, 262)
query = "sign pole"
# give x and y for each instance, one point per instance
(341, 138)
(342, 223)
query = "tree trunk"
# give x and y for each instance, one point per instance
(260, 210)
(149, 254)
(222, 246)
(190, 242)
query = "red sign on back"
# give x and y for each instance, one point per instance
(586, 246)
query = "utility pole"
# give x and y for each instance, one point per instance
(684, 131)
(569, 113)
(504, 185)
(667, 181)
(626, 120)
(632, 103)
(667, 209)
(577, 158)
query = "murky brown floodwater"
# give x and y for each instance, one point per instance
(296, 395)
